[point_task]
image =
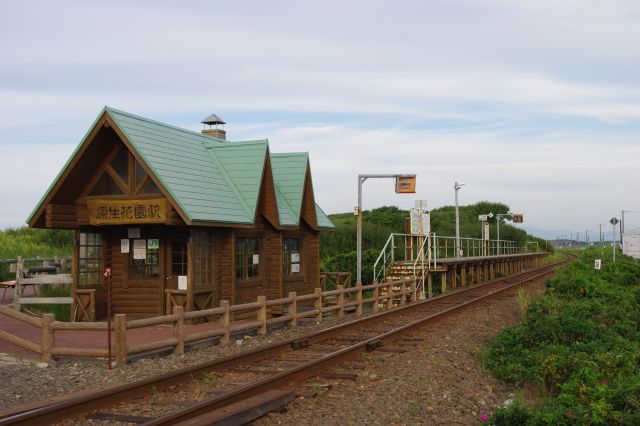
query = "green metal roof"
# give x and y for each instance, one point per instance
(323, 219)
(212, 180)
(179, 159)
(289, 172)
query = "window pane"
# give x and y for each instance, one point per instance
(150, 188)
(120, 164)
(106, 186)
(140, 173)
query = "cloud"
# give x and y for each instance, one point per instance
(532, 103)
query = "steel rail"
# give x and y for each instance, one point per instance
(78, 404)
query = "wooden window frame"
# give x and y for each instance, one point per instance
(99, 258)
(129, 188)
(286, 257)
(247, 259)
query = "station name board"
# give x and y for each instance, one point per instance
(116, 212)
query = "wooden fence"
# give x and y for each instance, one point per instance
(334, 279)
(382, 296)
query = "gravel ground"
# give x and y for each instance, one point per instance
(23, 383)
(439, 381)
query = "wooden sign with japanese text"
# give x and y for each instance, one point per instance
(117, 212)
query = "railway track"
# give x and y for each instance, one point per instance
(206, 393)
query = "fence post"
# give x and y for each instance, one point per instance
(262, 314)
(47, 337)
(318, 303)
(414, 291)
(340, 289)
(120, 326)
(376, 293)
(293, 308)
(224, 322)
(17, 290)
(359, 300)
(178, 330)
(403, 290)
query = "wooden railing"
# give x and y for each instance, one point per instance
(353, 299)
(334, 279)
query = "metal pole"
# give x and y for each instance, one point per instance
(498, 220)
(613, 243)
(107, 274)
(621, 226)
(359, 232)
(456, 187)
(601, 240)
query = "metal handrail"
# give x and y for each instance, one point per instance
(383, 257)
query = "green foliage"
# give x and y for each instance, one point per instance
(581, 342)
(338, 248)
(62, 312)
(27, 242)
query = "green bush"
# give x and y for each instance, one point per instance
(580, 341)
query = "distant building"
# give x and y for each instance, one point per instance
(631, 245)
(183, 217)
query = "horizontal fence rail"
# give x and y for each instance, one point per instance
(378, 296)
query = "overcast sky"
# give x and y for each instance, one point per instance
(532, 103)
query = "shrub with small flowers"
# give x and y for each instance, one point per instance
(580, 342)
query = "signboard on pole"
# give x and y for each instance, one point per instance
(517, 218)
(406, 184)
(614, 221)
(415, 222)
(483, 217)
(597, 264)
(419, 222)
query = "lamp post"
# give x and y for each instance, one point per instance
(498, 216)
(361, 179)
(456, 187)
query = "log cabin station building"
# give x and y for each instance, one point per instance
(183, 218)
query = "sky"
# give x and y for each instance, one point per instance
(535, 104)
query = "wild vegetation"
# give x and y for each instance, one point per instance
(578, 346)
(28, 242)
(338, 248)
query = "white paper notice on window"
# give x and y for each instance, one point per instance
(133, 232)
(295, 257)
(124, 245)
(139, 249)
(182, 282)
(256, 259)
(295, 267)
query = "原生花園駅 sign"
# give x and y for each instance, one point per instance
(111, 212)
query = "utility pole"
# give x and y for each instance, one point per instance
(601, 240)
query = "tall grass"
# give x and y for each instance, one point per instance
(62, 312)
(28, 242)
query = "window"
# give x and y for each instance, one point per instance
(144, 259)
(247, 258)
(203, 258)
(90, 259)
(291, 256)
(122, 174)
(179, 257)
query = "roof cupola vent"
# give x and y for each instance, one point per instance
(214, 127)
